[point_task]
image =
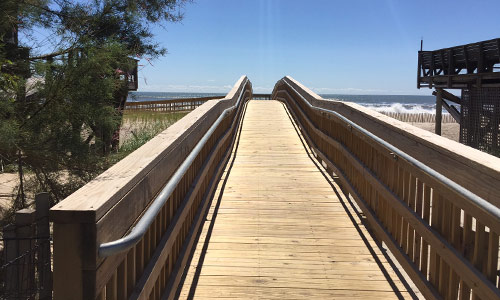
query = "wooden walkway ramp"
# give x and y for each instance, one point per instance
(278, 228)
(278, 225)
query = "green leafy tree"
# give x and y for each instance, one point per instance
(61, 96)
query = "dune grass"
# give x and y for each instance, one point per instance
(140, 127)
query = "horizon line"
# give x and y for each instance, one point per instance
(224, 93)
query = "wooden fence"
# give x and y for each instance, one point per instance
(108, 207)
(419, 118)
(445, 237)
(173, 105)
(26, 256)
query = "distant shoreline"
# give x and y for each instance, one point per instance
(381, 103)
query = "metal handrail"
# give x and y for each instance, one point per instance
(128, 241)
(479, 202)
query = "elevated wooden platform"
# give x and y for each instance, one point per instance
(464, 66)
(278, 228)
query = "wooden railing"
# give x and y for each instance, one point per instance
(261, 96)
(107, 208)
(433, 202)
(172, 105)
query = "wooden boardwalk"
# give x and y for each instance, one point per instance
(278, 229)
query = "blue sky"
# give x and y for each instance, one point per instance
(338, 47)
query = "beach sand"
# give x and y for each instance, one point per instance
(448, 130)
(8, 183)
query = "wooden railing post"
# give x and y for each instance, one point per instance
(10, 254)
(42, 204)
(24, 220)
(74, 260)
(439, 110)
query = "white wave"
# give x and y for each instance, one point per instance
(400, 108)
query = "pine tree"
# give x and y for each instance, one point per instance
(61, 106)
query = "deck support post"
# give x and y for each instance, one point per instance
(74, 261)
(24, 220)
(439, 110)
(42, 203)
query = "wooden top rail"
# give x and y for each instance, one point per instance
(442, 232)
(109, 206)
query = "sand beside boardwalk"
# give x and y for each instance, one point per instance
(8, 183)
(448, 130)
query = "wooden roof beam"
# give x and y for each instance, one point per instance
(449, 96)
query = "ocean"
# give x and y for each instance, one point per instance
(382, 103)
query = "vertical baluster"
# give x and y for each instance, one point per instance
(397, 220)
(170, 263)
(139, 258)
(165, 217)
(152, 237)
(411, 203)
(492, 263)
(121, 280)
(434, 257)
(111, 288)
(405, 198)
(467, 250)
(332, 149)
(480, 244)
(147, 246)
(383, 177)
(393, 171)
(373, 203)
(157, 289)
(131, 270)
(455, 241)
(159, 219)
(152, 294)
(163, 277)
(369, 193)
(418, 210)
(444, 269)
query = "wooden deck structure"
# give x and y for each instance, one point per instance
(463, 66)
(473, 68)
(289, 199)
(278, 227)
